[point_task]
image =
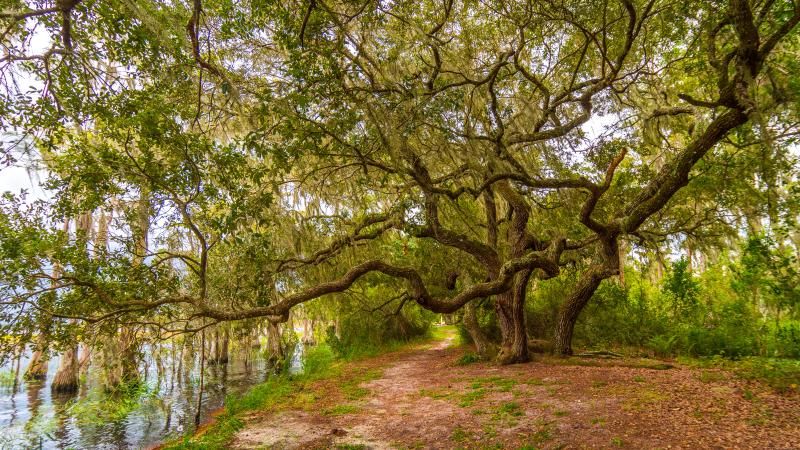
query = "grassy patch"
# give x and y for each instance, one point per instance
(340, 410)
(470, 398)
(459, 435)
(468, 358)
(499, 383)
(434, 394)
(634, 363)
(542, 435)
(351, 388)
(600, 421)
(510, 409)
(709, 376)
(643, 399)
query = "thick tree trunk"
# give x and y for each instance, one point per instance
(66, 378)
(511, 316)
(120, 359)
(485, 348)
(510, 305)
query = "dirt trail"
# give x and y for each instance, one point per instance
(422, 399)
(394, 406)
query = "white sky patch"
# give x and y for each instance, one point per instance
(15, 179)
(596, 126)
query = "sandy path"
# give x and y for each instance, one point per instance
(393, 407)
(422, 399)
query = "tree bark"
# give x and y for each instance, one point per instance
(66, 378)
(581, 294)
(483, 346)
(37, 367)
(510, 308)
(510, 305)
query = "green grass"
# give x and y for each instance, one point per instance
(468, 399)
(459, 435)
(434, 394)
(7, 377)
(340, 410)
(499, 383)
(468, 358)
(511, 409)
(709, 376)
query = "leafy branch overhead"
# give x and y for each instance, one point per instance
(250, 158)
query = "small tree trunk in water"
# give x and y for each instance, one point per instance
(483, 346)
(222, 348)
(511, 316)
(120, 359)
(275, 352)
(66, 378)
(130, 355)
(213, 353)
(202, 378)
(37, 367)
(19, 363)
(86, 358)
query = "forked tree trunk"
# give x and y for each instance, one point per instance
(511, 317)
(485, 348)
(66, 378)
(510, 305)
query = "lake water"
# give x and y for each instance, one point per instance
(32, 417)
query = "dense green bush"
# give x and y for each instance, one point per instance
(739, 306)
(736, 307)
(362, 332)
(727, 310)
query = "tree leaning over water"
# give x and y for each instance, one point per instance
(304, 154)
